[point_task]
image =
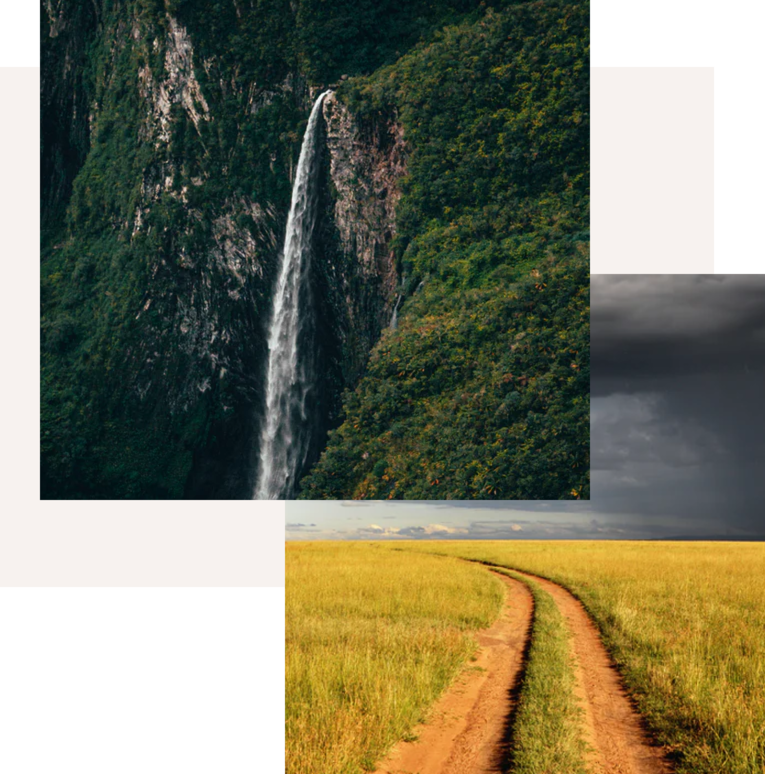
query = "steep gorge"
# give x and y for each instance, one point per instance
(157, 281)
(171, 131)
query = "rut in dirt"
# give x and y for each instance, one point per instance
(614, 730)
(470, 728)
(467, 732)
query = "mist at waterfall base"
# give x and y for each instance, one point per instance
(287, 428)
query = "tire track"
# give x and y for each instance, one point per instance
(613, 728)
(467, 731)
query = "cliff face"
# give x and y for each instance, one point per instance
(67, 32)
(482, 391)
(365, 168)
(365, 163)
(171, 130)
(353, 275)
(199, 354)
(157, 284)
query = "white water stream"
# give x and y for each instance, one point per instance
(284, 437)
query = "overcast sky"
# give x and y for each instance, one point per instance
(678, 427)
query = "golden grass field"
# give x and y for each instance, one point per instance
(376, 631)
(373, 638)
(686, 624)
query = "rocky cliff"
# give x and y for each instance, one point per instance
(157, 283)
(454, 187)
(365, 163)
(64, 126)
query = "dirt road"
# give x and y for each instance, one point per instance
(468, 727)
(613, 728)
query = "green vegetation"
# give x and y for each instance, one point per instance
(265, 40)
(108, 428)
(372, 641)
(685, 624)
(93, 279)
(547, 724)
(129, 398)
(483, 390)
(152, 340)
(488, 399)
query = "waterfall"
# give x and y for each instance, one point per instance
(285, 433)
(394, 318)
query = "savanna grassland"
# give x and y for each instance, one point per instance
(373, 638)
(685, 623)
(376, 631)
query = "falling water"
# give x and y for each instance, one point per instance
(394, 318)
(285, 433)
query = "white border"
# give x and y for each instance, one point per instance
(652, 152)
(97, 543)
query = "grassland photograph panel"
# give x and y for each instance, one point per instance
(519, 655)
(314, 250)
(624, 634)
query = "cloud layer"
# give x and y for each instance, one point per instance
(427, 531)
(678, 375)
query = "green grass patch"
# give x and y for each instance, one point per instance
(547, 730)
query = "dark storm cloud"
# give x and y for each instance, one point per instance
(647, 327)
(678, 415)
(640, 428)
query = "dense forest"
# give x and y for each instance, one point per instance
(170, 130)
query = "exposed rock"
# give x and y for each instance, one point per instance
(180, 85)
(188, 311)
(188, 370)
(260, 98)
(366, 166)
(56, 18)
(65, 129)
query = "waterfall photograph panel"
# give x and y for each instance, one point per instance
(299, 250)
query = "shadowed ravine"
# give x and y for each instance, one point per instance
(286, 432)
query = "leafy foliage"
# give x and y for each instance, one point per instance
(485, 397)
(119, 415)
(495, 115)
(483, 391)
